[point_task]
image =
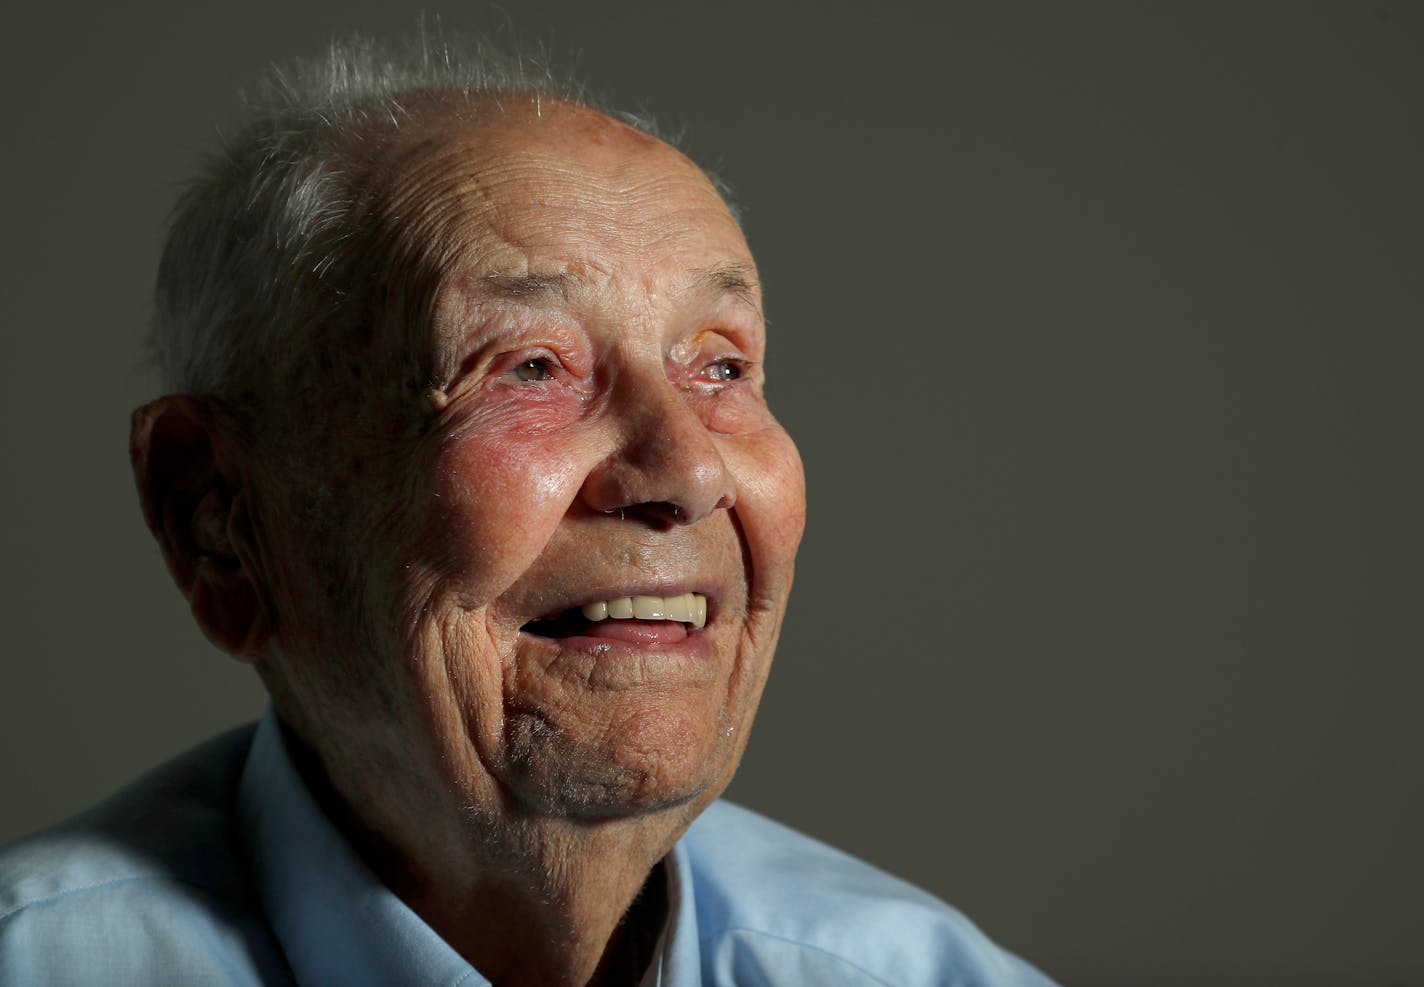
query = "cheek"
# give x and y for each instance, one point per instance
(499, 500)
(771, 496)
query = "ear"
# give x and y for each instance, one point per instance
(191, 488)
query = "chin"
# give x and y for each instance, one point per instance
(624, 776)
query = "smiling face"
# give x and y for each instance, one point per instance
(573, 569)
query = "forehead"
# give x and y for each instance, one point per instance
(549, 189)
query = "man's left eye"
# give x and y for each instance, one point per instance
(723, 370)
(532, 370)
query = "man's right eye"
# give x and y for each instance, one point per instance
(532, 370)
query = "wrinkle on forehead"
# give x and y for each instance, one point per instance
(565, 193)
(528, 197)
(467, 159)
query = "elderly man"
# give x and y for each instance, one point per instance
(467, 454)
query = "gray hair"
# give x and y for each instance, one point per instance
(259, 244)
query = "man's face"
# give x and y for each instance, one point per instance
(595, 432)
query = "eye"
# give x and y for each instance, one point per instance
(532, 370)
(721, 371)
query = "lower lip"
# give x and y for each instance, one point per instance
(606, 638)
(654, 632)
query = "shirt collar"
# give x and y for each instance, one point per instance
(677, 961)
(336, 921)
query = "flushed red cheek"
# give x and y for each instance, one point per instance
(501, 499)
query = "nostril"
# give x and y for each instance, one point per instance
(665, 512)
(668, 477)
(660, 513)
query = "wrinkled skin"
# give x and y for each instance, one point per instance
(587, 421)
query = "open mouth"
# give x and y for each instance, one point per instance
(637, 619)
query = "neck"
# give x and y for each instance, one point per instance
(577, 905)
(526, 899)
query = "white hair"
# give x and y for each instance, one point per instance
(260, 245)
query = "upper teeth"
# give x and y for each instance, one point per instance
(690, 608)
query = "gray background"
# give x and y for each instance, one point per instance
(1100, 329)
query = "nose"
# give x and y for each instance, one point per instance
(665, 468)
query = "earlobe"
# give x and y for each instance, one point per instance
(192, 499)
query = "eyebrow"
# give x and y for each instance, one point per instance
(734, 278)
(528, 287)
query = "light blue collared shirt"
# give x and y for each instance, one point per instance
(220, 869)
